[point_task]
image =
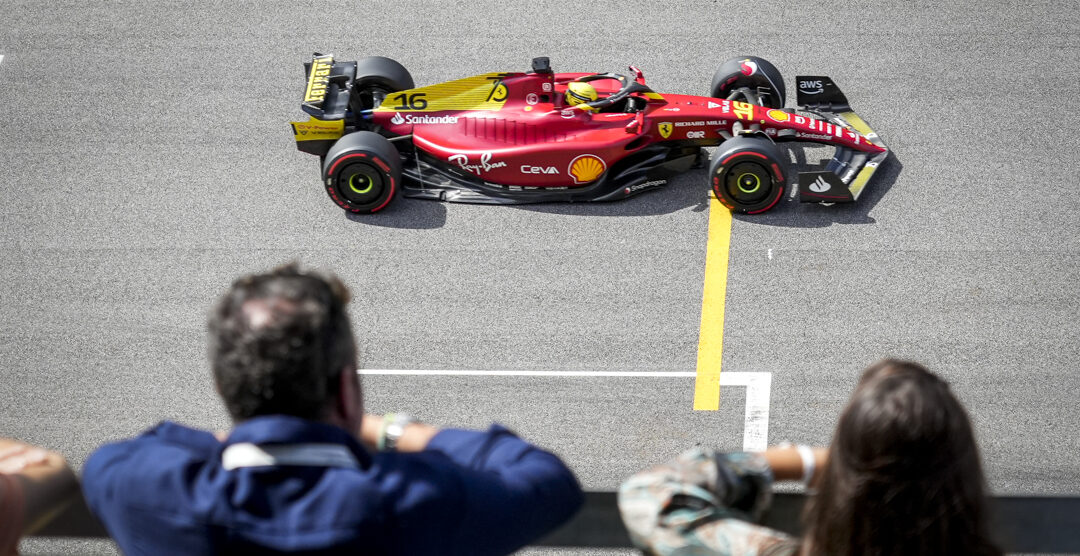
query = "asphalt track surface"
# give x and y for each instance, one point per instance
(146, 160)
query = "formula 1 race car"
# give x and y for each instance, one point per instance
(540, 136)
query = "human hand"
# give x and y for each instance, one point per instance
(15, 457)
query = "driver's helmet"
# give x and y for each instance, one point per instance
(578, 92)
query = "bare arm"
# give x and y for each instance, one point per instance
(49, 485)
(787, 465)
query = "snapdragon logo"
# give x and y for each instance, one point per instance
(398, 119)
(640, 186)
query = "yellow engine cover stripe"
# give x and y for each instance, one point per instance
(480, 92)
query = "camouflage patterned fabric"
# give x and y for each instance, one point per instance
(703, 504)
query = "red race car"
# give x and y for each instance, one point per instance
(540, 136)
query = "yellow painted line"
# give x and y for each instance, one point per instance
(711, 340)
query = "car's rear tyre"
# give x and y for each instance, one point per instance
(757, 74)
(377, 77)
(747, 174)
(362, 172)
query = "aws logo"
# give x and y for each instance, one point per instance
(811, 86)
(586, 168)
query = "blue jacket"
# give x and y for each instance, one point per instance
(469, 492)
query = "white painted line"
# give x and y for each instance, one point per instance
(758, 391)
(586, 374)
(756, 421)
(1, 58)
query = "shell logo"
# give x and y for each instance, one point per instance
(586, 168)
(778, 115)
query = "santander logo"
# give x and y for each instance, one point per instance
(398, 119)
(820, 185)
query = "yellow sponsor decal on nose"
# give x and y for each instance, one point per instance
(778, 115)
(743, 110)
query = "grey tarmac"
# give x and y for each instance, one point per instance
(146, 161)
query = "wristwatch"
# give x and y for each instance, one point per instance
(393, 427)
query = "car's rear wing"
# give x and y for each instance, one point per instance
(328, 85)
(846, 175)
(326, 100)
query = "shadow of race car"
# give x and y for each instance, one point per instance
(540, 136)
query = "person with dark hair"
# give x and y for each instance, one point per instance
(902, 477)
(304, 469)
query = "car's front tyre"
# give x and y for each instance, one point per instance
(747, 174)
(751, 73)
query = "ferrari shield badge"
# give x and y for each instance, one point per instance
(665, 129)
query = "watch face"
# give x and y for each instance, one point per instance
(394, 429)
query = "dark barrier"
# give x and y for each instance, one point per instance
(1046, 525)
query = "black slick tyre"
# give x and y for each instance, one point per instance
(362, 172)
(757, 74)
(747, 174)
(376, 77)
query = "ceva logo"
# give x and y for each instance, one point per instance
(526, 169)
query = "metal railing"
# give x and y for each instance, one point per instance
(1026, 524)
